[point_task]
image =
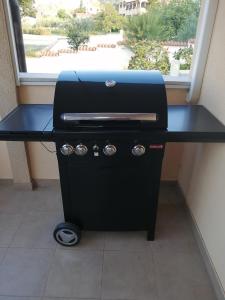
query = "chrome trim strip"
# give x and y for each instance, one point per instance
(70, 117)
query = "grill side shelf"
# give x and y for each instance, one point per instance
(186, 123)
(193, 123)
(28, 122)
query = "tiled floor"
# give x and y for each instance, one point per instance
(108, 266)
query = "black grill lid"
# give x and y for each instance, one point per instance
(96, 98)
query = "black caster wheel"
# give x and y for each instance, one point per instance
(67, 234)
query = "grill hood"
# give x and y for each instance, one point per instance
(110, 99)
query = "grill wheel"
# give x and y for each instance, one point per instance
(67, 234)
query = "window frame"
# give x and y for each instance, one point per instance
(191, 82)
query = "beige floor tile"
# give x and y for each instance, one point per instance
(67, 298)
(2, 254)
(180, 273)
(187, 265)
(178, 289)
(12, 200)
(9, 224)
(173, 224)
(170, 193)
(132, 240)
(92, 240)
(44, 199)
(23, 272)
(19, 298)
(204, 291)
(130, 272)
(75, 273)
(36, 231)
(128, 275)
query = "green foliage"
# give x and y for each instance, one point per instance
(62, 14)
(27, 8)
(185, 56)
(149, 55)
(38, 30)
(108, 19)
(188, 29)
(79, 10)
(51, 22)
(177, 14)
(33, 50)
(78, 33)
(144, 27)
(175, 20)
(54, 25)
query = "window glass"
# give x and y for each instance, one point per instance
(107, 34)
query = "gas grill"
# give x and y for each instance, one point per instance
(109, 157)
(110, 130)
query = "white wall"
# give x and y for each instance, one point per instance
(13, 160)
(202, 176)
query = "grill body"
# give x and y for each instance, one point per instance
(110, 192)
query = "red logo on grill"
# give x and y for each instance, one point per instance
(156, 146)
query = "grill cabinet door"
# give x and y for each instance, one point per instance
(111, 193)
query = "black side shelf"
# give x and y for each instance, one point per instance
(28, 122)
(186, 123)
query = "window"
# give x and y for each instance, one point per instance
(92, 34)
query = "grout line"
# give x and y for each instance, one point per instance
(101, 282)
(8, 247)
(154, 261)
(103, 259)
(4, 255)
(55, 297)
(21, 297)
(48, 272)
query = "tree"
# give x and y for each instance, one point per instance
(27, 8)
(149, 56)
(173, 20)
(185, 56)
(79, 10)
(188, 29)
(176, 15)
(77, 34)
(62, 14)
(144, 27)
(108, 19)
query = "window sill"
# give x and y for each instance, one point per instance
(179, 82)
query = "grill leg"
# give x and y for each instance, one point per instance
(151, 235)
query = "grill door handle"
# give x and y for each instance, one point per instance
(70, 117)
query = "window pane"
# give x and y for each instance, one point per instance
(114, 34)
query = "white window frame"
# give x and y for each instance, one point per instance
(191, 82)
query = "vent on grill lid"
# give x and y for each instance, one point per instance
(123, 98)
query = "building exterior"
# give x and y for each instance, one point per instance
(92, 7)
(132, 8)
(51, 7)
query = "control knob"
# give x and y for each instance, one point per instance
(109, 150)
(138, 150)
(67, 149)
(81, 150)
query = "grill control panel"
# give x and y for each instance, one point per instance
(108, 149)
